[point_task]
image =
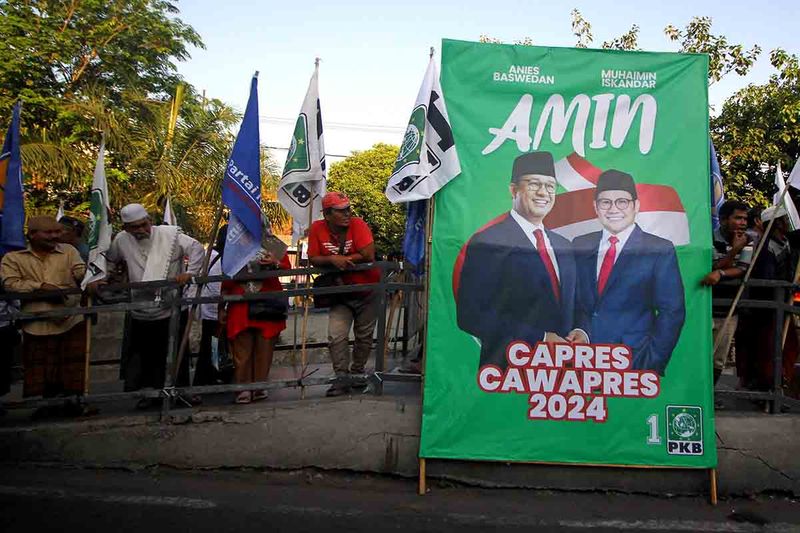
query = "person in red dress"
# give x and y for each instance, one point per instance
(252, 340)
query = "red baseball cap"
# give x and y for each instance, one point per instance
(335, 200)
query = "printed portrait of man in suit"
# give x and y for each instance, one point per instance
(514, 279)
(629, 284)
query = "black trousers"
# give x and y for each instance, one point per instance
(147, 359)
(9, 338)
(204, 372)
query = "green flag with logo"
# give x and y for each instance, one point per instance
(567, 322)
(99, 230)
(302, 185)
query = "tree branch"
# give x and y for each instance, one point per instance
(93, 54)
(70, 13)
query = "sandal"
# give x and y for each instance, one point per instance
(260, 395)
(244, 397)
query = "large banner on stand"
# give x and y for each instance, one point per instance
(567, 321)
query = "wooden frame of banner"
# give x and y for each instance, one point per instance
(422, 486)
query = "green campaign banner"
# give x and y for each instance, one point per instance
(567, 322)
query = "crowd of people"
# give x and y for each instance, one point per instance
(752, 330)
(54, 350)
(245, 333)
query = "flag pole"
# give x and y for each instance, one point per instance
(422, 477)
(422, 489)
(426, 293)
(88, 319)
(303, 353)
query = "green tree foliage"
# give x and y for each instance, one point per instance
(278, 217)
(55, 49)
(582, 29)
(363, 176)
(723, 57)
(86, 67)
(758, 127)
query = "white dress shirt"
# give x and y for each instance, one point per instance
(605, 245)
(528, 228)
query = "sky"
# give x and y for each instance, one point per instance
(374, 54)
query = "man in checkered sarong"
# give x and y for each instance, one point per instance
(54, 349)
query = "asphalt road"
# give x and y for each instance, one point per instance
(157, 499)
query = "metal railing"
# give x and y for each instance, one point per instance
(108, 300)
(779, 304)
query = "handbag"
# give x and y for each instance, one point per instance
(328, 279)
(272, 309)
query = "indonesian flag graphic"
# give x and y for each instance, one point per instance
(661, 211)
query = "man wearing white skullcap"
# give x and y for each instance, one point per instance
(153, 253)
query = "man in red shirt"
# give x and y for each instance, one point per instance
(342, 241)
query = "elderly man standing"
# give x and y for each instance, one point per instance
(54, 349)
(153, 253)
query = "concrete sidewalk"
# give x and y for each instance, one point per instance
(757, 452)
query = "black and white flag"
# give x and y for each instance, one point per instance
(428, 158)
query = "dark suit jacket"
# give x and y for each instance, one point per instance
(643, 303)
(504, 292)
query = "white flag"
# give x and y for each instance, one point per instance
(303, 183)
(169, 218)
(99, 238)
(794, 176)
(788, 203)
(428, 158)
(60, 213)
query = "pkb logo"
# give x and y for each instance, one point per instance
(684, 430)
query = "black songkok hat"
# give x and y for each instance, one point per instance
(540, 163)
(73, 223)
(615, 180)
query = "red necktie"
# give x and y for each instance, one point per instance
(541, 247)
(608, 264)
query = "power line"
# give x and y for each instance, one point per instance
(286, 150)
(341, 125)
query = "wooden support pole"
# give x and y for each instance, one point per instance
(423, 488)
(393, 305)
(203, 273)
(88, 354)
(303, 355)
(713, 479)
